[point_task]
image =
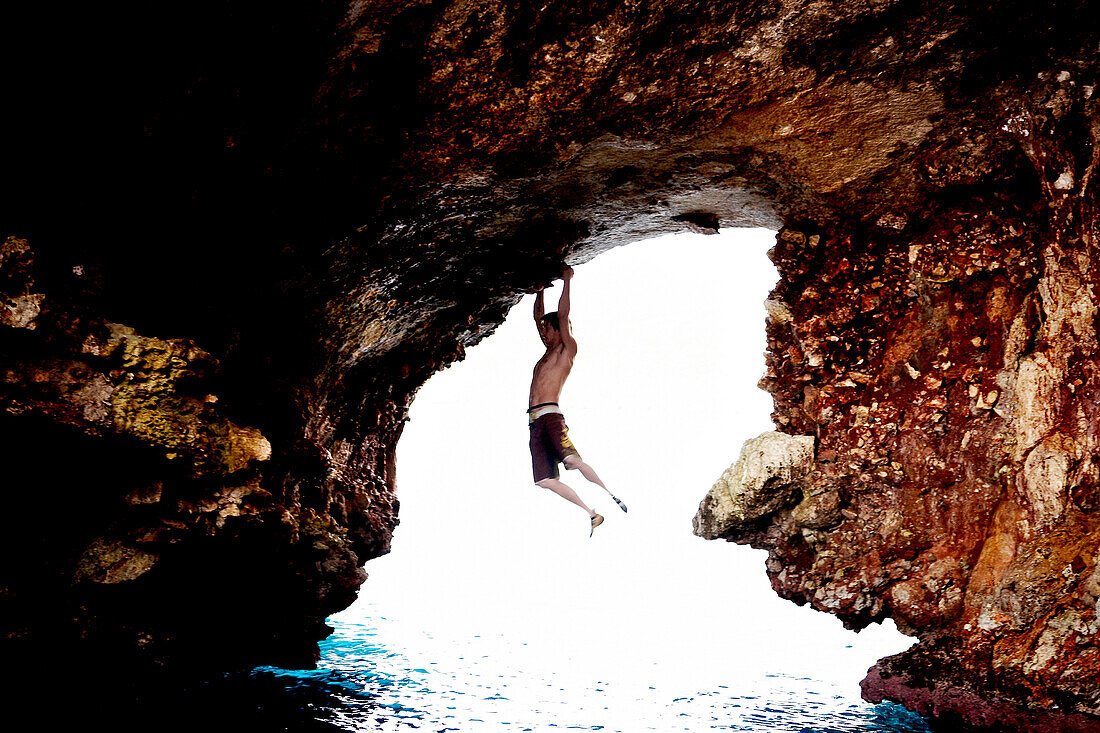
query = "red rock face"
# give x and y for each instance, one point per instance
(329, 202)
(949, 377)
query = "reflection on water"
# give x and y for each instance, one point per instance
(381, 674)
(484, 683)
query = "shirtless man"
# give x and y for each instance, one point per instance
(550, 442)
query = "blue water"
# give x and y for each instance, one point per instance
(376, 676)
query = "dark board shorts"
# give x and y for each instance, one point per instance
(550, 445)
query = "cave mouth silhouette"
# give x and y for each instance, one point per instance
(661, 397)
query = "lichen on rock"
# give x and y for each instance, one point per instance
(21, 306)
(111, 561)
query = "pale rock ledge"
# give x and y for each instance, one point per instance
(766, 477)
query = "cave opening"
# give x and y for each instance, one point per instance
(493, 589)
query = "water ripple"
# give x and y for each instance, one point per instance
(481, 683)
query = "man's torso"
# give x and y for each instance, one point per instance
(549, 376)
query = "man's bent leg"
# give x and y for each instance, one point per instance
(565, 492)
(574, 461)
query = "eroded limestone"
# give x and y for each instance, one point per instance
(765, 478)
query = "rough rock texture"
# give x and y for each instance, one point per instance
(142, 518)
(239, 238)
(949, 378)
(765, 479)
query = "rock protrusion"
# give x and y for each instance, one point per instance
(765, 478)
(122, 441)
(20, 305)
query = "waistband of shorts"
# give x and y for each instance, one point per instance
(540, 411)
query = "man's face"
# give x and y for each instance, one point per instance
(551, 334)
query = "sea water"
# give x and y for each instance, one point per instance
(379, 674)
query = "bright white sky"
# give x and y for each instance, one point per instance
(661, 397)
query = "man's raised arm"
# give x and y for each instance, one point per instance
(540, 311)
(567, 339)
(540, 308)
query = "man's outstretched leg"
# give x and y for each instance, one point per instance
(565, 492)
(574, 461)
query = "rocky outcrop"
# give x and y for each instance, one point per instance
(947, 381)
(137, 504)
(219, 324)
(766, 478)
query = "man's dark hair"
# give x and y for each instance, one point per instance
(551, 319)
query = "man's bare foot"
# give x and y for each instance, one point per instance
(597, 520)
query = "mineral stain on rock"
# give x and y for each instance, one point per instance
(210, 332)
